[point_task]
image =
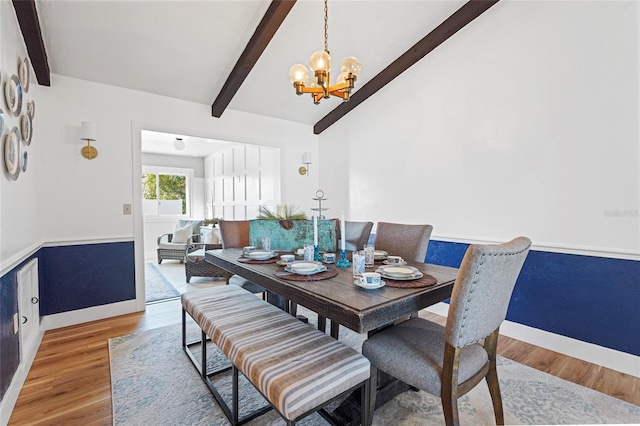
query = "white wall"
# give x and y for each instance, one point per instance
(195, 163)
(96, 189)
(19, 207)
(65, 198)
(523, 123)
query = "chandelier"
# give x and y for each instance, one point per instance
(320, 64)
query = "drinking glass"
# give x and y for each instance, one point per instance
(369, 253)
(309, 252)
(358, 263)
(266, 243)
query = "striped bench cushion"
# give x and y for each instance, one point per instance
(198, 303)
(295, 366)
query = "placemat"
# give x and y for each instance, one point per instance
(325, 275)
(425, 281)
(247, 260)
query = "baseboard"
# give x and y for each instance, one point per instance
(11, 396)
(609, 358)
(64, 319)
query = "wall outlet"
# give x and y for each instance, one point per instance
(126, 209)
(16, 324)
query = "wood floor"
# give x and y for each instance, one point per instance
(70, 383)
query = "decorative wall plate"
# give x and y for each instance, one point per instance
(23, 72)
(12, 153)
(13, 95)
(31, 108)
(26, 128)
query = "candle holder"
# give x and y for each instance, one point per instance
(320, 198)
(316, 253)
(343, 262)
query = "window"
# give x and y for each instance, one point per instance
(166, 192)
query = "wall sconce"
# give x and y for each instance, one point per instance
(306, 159)
(88, 133)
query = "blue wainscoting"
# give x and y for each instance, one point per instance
(83, 276)
(589, 298)
(70, 278)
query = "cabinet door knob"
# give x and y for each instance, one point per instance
(24, 320)
(34, 300)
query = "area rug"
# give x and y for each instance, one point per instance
(157, 287)
(153, 382)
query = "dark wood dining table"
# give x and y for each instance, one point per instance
(338, 298)
(344, 303)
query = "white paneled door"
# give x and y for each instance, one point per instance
(240, 179)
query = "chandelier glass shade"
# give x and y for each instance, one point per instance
(319, 85)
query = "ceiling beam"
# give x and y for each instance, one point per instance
(271, 21)
(30, 26)
(454, 23)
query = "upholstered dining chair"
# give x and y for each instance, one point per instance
(408, 241)
(357, 234)
(235, 234)
(449, 361)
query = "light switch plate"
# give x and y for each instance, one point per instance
(126, 209)
(16, 324)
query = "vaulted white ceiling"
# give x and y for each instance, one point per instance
(186, 49)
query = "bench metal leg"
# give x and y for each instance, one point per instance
(233, 415)
(368, 401)
(203, 353)
(234, 392)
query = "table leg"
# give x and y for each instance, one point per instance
(348, 413)
(335, 329)
(278, 301)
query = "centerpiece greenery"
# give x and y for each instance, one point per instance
(289, 214)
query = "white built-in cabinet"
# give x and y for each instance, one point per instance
(240, 179)
(28, 310)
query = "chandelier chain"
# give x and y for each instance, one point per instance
(326, 27)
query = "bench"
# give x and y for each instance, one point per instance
(297, 368)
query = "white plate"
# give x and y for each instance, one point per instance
(12, 153)
(416, 276)
(304, 266)
(320, 268)
(369, 287)
(26, 128)
(23, 72)
(13, 95)
(386, 262)
(380, 254)
(397, 270)
(31, 108)
(260, 255)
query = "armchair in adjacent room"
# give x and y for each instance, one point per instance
(173, 245)
(194, 263)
